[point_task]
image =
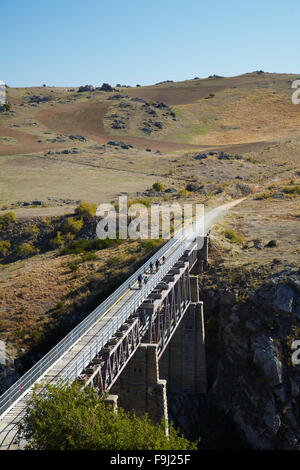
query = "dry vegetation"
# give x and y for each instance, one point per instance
(46, 172)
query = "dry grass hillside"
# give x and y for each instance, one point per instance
(205, 140)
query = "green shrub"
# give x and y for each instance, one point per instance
(68, 237)
(6, 220)
(158, 187)
(151, 244)
(70, 417)
(112, 261)
(72, 225)
(33, 230)
(264, 195)
(89, 257)
(292, 190)
(232, 236)
(35, 336)
(58, 241)
(83, 245)
(73, 266)
(144, 201)
(85, 210)
(183, 193)
(26, 249)
(4, 247)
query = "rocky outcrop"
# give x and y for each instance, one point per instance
(252, 377)
(8, 373)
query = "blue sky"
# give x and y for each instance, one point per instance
(72, 42)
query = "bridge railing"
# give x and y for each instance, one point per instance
(78, 364)
(18, 389)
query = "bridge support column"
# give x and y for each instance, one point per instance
(194, 283)
(202, 256)
(183, 364)
(139, 387)
(112, 401)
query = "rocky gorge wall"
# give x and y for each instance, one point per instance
(251, 375)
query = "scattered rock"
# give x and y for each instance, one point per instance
(272, 243)
(266, 359)
(294, 388)
(105, 87)
(271, 418)
(284, 298)
(77, 137)
(84, 88)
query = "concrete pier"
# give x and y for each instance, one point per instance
(183, 364)
(140, 388)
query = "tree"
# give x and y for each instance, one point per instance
(67, 417)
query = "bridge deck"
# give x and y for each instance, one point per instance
(10, 419)
(66, 360)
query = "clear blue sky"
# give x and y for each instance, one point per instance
(72, 42)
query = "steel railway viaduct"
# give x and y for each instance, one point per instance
(137, 343)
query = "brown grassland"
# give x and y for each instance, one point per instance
(250, 115)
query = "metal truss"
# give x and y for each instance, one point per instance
(106, 367)
(154, 321)
(168, 303)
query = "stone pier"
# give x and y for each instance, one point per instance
(139, 387)
(202, 256)
(183, 363)
(142, 386)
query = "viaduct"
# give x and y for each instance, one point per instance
(136, 344)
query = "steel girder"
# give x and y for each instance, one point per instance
(155, 321)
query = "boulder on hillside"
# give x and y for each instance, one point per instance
(77, 137)
(83, 88)
(105, 87)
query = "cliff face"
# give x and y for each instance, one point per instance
(8, 373)
(251, 374)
